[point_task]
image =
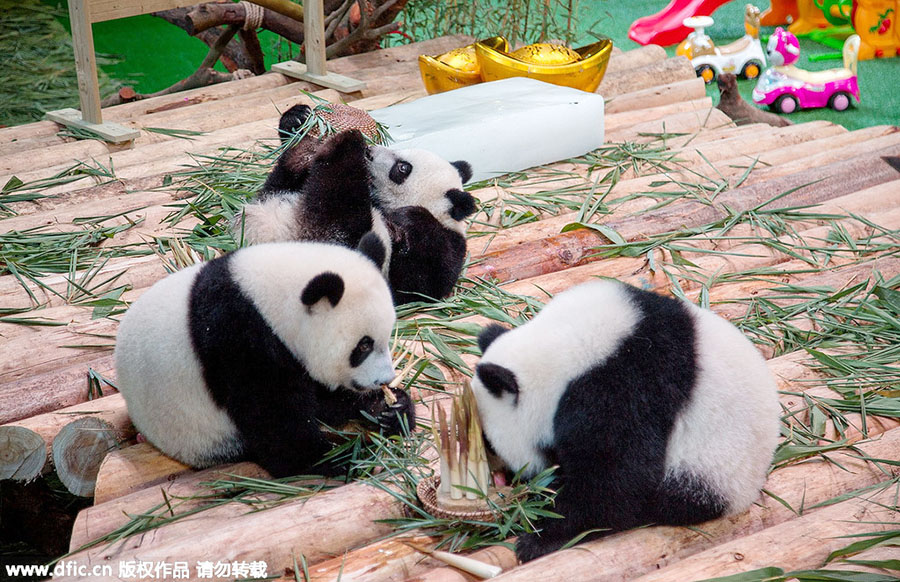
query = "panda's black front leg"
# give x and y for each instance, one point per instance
(286, 440)
(395, 418)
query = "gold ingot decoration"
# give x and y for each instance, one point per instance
(543, 53)
(451, 70)
(582, 68)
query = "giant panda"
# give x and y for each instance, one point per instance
(243, 356)
(654, 410)
(338, 189)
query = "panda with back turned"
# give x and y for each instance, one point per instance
(243, 356)
(654, 410)
(336, 190)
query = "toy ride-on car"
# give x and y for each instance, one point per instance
(744, 57)
(786, 88)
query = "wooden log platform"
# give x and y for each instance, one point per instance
(792, 233)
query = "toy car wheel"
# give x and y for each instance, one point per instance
(839, 101)
(786, 104)
(707, 73)
(751, 69)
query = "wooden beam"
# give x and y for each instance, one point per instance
(314, 70)
(85, 63)
(102, 10)
(111, 132)
(314, 36)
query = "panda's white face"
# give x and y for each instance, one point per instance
(333, 309)
(524, 372)
(415, 177)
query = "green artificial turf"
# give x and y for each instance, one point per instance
(155, 54)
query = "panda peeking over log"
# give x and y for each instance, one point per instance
(242, 357)
(338, 189)
(653, 410)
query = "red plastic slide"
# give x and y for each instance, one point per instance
(665, 27)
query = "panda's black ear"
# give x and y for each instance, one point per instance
(292, 120)
(463, 204)
(372, 248)
(464, 168)
(498, 380)
(489, 334)
(324, 285)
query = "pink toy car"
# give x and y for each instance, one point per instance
(785, 88)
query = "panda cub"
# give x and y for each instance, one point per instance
(242, 357)
(654, 410)
(338, 189)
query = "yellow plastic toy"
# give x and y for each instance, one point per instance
(875, 21)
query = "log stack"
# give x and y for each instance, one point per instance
(684, 166)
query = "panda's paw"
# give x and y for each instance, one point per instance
(531, 546)
(397, 417)
(347, 147)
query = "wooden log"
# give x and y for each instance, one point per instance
(614, 122)
(251, 536)
(834, 278)
(393, 560)
(20, 366)
(61, 387)
(78, 450)
(689, 166)
(565, 250)
(95, 522)
(630, 554)
(631, 79)
(789, 545)
(136, 272)
(655, 96)
(687, 122)
(110, 409)
(133, 468)
(23, 453)
(637, 58)
(742, 257)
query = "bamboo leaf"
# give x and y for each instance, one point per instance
(770, 574)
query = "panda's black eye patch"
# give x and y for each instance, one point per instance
(400, 171)
(361, 351)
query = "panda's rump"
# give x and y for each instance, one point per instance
(729, 428)
(163, 385)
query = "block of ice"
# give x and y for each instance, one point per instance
(500, 126)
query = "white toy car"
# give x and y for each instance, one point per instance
(744, 57)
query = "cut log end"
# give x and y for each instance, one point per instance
(23, 453)
(78, 450)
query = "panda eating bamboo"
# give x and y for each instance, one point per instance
(243, 356)
(654, 410)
